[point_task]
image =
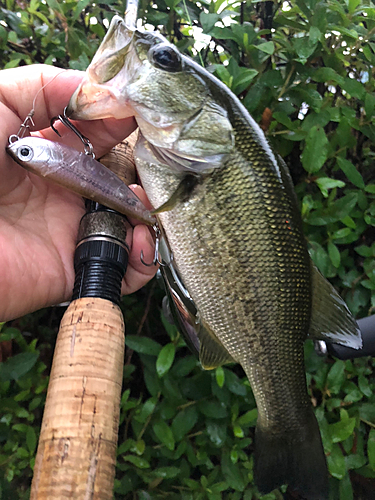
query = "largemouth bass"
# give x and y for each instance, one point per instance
(80, 173)
(227, 207)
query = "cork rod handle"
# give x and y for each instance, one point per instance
(77, 445)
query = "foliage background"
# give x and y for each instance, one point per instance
(304, 70)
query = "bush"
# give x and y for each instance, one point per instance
(305, 72)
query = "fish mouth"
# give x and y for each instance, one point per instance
(102, 94)
(92, 101)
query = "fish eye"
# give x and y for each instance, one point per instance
(166, 57)
(25, 153)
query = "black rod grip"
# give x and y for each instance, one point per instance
(100, 266)
(101, 256)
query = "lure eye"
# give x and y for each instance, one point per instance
(166, 57)
(25, 153)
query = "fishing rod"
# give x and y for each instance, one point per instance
(76, 454)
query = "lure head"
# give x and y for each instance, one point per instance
(32, 153)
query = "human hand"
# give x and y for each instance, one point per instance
(39, 220)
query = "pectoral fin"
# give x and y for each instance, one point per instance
(331, 319)
(182, 193)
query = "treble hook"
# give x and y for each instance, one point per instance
(156, 260)
(88, 147)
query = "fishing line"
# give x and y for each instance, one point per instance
(28, 121)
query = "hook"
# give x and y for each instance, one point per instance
(88, 147)
(156, 260)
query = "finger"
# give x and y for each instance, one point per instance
(141, 194)
(103, 134)
(20, 86)
(51, 88)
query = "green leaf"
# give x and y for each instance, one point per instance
(220, 376)
(325, 75)
(341, 233)
(164, 433)
(172, 4)
(334, 254)
(326, 183)
(351, 172)
(213, 409)
(237, 431)
(353, 394)
(314, 35)
(22, 452)
(217, 432)
(353, 4)
(139, 447)
(248, 418)
(208, 21)
(342, 430)
(243, 80)
(336, 377)
(349, 222)
(345, 31)
(81, 5)
(20, 427)
(370, 188)
(320, 257)
(345, 488)
(365, 251)
(234, 384)
(336, 462)
(166, 472)
(17, 366)
(139, 462)
(143, 345)
(146, 410)
(364, 386)
(316, 150)
(232, 473)
(182, 367)
(31, 440)
(369, 104)
(183, 422)
(304, 48)
(165, 359)
(54, 5)
(354, 88)
(371, 449)
(267, 47)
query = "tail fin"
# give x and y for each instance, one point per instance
(295, 458)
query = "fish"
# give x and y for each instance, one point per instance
(244, 281)
(80, 173)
